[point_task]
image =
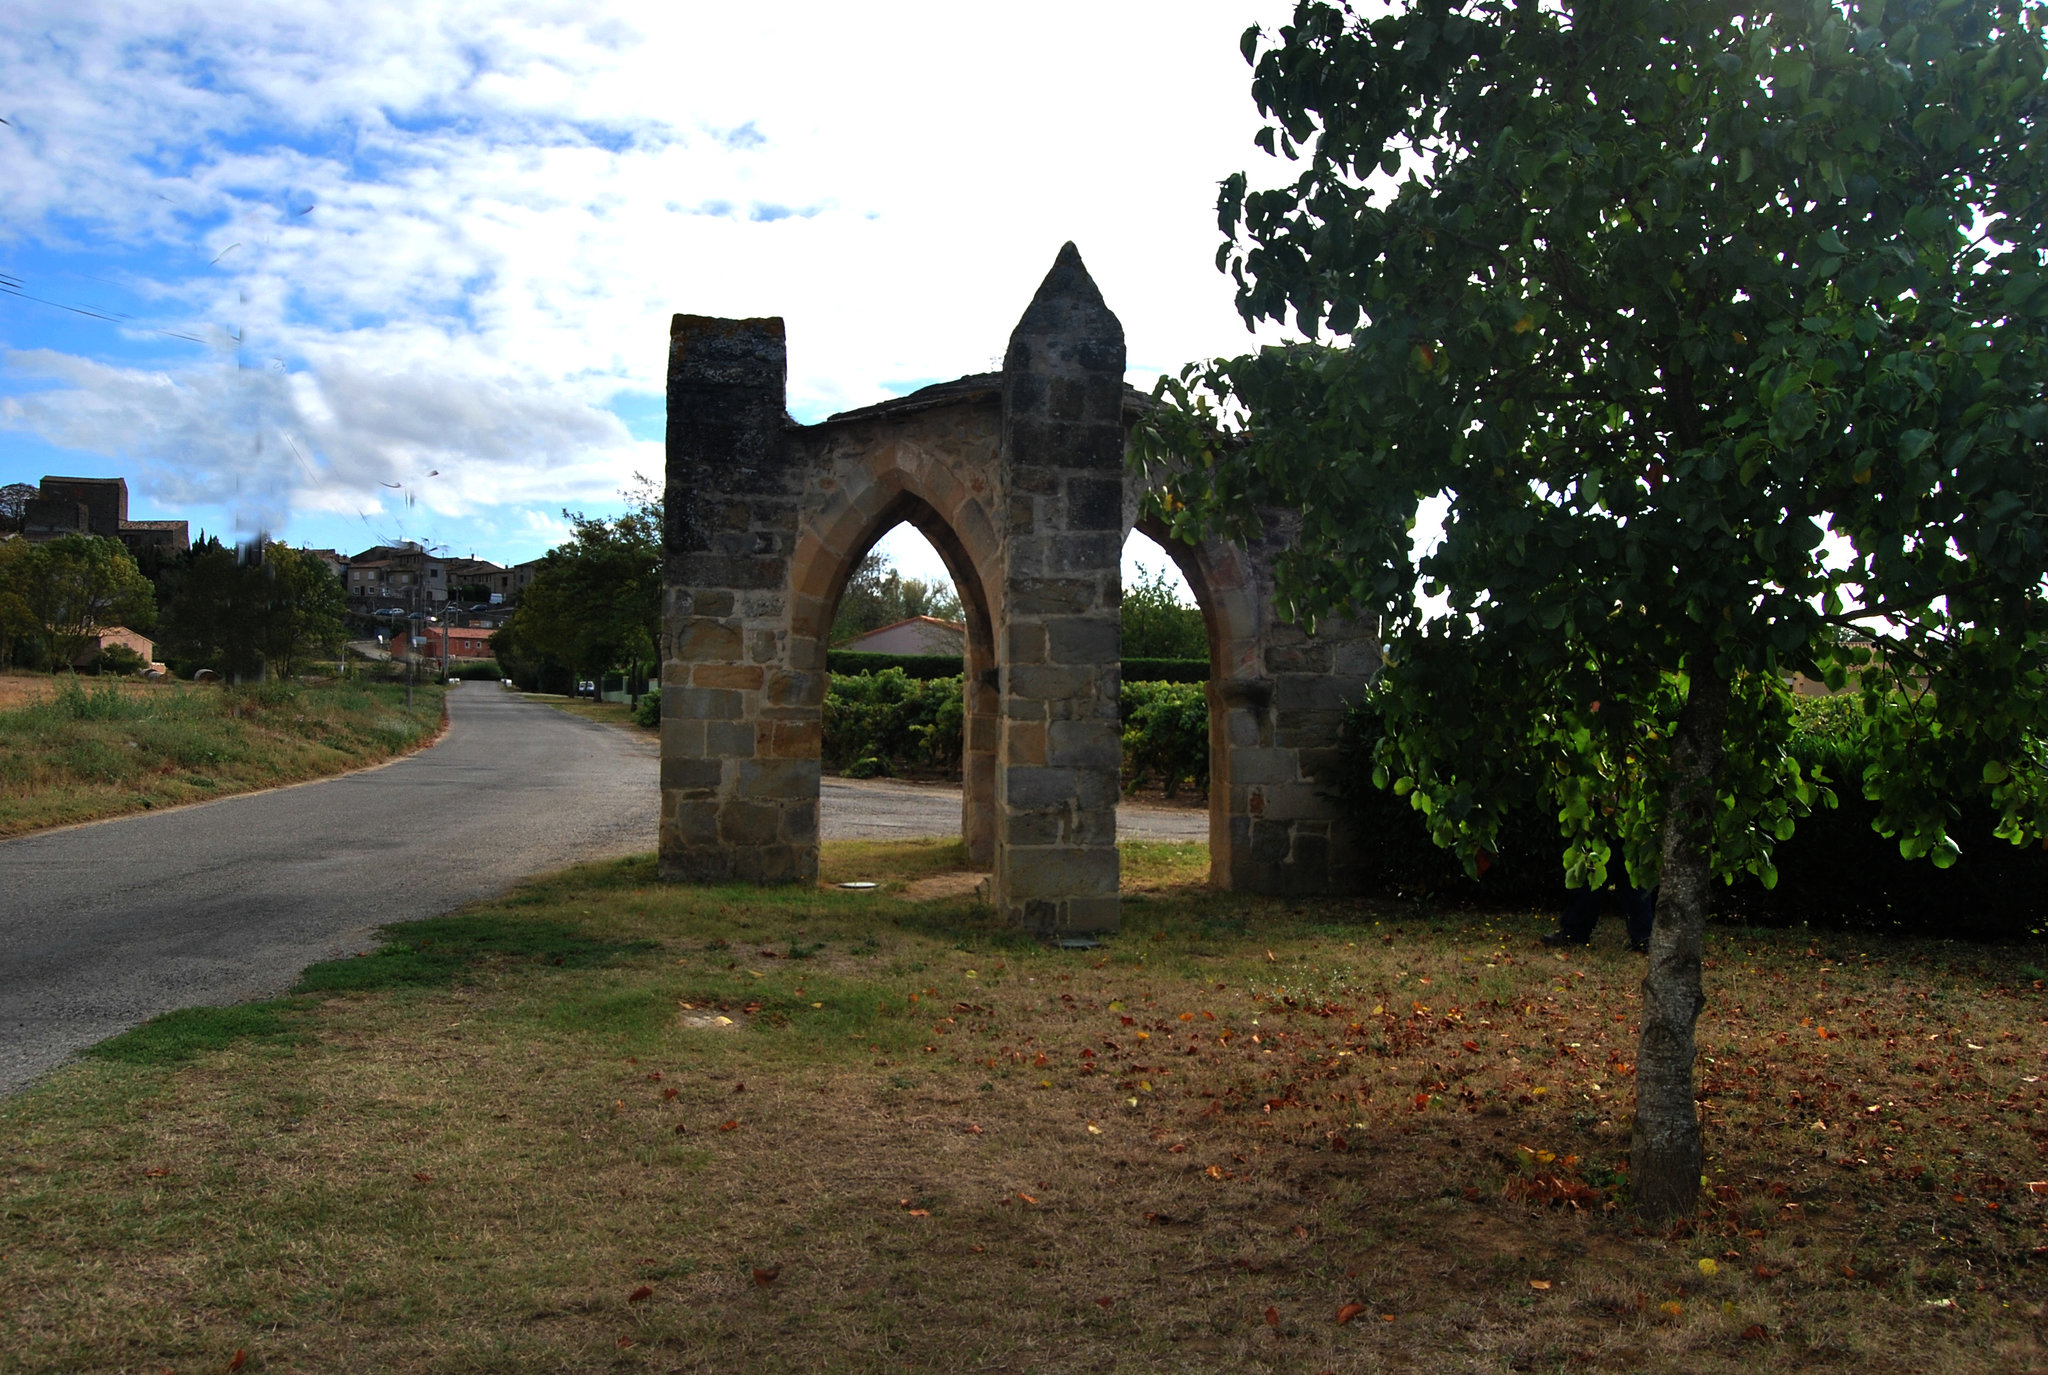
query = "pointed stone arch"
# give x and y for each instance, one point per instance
(1018, 479)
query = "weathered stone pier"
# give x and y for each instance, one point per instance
(1018, 478)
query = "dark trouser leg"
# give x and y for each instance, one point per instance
(1579, 919)
(1640, 907)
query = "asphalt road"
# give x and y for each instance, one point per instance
(104, 926)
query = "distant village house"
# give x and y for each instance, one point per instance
(918, 635)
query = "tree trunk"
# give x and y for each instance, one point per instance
(1666, 1155)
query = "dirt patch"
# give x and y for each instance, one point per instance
(939, 886)
(21, 689)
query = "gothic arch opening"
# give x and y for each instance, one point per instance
(827, 558)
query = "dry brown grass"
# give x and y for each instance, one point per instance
(930, 1146)
(18, 689)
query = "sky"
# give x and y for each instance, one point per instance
(353, 273)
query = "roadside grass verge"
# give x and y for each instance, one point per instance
(525, 1140)
(85, 750)
(604, 713)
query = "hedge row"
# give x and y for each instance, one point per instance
(927, 667)
(894, 723)
(1835, 871)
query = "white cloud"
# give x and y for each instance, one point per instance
(447, 236)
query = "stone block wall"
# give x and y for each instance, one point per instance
(740, 722)
(1060, 648)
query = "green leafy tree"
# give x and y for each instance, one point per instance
(1712, 330)
(303, 609)
(246, 612)
(595, 602)
(877, 595)
(76, 585)
(1157, 624)
(16, 620)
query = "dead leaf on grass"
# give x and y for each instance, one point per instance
(1348, 1312)
(766, 1277)
(641, 1295)
(1539, 1284)
(241, 1358)
(1272, 1314)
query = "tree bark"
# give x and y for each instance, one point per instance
(1666, 1155)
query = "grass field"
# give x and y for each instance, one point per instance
(76, 750)
(607, 1123)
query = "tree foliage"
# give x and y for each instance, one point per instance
(1715, 331)
(69, 589)
(14, 500)
(1157, 624)
(595, 602)
(877, 595)
(257, 609)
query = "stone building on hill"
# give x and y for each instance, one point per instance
(98, 506)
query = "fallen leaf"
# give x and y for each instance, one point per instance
(766, 1277)
(920, 1212)
(1106, 1303)
(241, 1358)
(1708, 1266)
(1539, 1284)
(1028, 1198)
(973, 1130)
(1348, 1312)
(1754, 1333)
(159, 1172)
(1094, 1130)
(423, 1177)
(729, 1126)
(2038, 1186)
(641, 1295)
(1270, 960)
(669, 1092)
(1272, 1314)
(1673, 1309)
(625, 1342)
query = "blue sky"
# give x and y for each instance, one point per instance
(358, 272)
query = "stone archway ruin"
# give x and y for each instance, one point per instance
(1018, 479)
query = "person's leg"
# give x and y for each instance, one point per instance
(1639, 906)
(1575, 925)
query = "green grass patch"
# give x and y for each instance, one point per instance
(177, 1037)
(82, 752)
(439, 950)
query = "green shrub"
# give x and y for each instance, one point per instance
(1165, 734)
(1835, 870)
(118, 660)
(478, 671)
(890, 722)
(647, 711)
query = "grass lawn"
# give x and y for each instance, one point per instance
(76, 750)
(607, 1123)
